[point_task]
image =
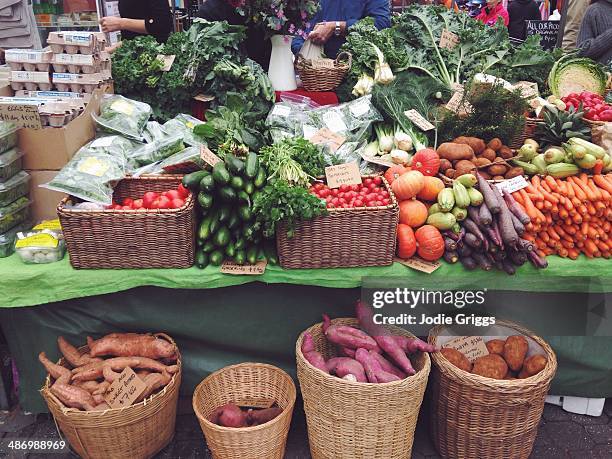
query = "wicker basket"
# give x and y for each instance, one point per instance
(342, 238)
(160, 238)
(138, 431)
(323, 78)
(474, 416)
(246, 384)
(348, 420)
(528, 132)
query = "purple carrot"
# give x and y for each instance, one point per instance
(490, 198)
(473, 213)
(526, 246)
(471, 227)
(498, 233)
(506, 229)
(484, 215)
(388, 366)
(450, 244)
(518, 226)
(342, 366)
(516, 210)
(311, 355)
(451, 235)
(518, 258)
(508, 267)
(493, 236)
(537, 260)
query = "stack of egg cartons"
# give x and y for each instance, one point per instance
(29, 69)
(15, 213)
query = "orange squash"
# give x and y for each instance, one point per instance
(412, 213)
(426, 161)
(406, 243)
(430, 243)
(394, 172)
(431, 187)
(408, 185)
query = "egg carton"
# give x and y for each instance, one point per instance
(79, 83)
(79, 63)
(71, 42)
(32, 81)
(56, 95)
(29, 60)
(53, 111)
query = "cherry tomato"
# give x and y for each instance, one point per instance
(377, 180)
(358, 203)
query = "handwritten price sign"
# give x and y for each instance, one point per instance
(124, 391)
(343, 174)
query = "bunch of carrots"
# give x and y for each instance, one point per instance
(569, 216)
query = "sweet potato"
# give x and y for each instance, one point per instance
(98, 398)
(102, 407)
(489, 154)
(533, 365)
(90, 386)
(342, 366)
(257, 417)
(373, 370)
(494, 144)
(56, 371)
(346, 352)
(485, 175)
(464, 167)
(490, 366)
(388, 344)
(350, 337)
(497, 169)
(412, 345)
(505, 152)
(388, 366)
(445, 164)
(311, 355)
(71, 353)
(514, 172)
(109, 375)
(154, 381)
(133, 345)
(454, 151)
(496, 346)
(73, 397)
(482, 161)
(450, 173)
(102, 388)
(476, 144)
(229, 415)
(456, 358)
(515, 350)
(95, 370)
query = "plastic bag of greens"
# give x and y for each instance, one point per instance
(154, 131)
(185, 124)
(94, 170)
(158, 149)
(183, 162)
(119, 115)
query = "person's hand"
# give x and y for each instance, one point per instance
(111, 49)
(322, 32)
(111, 24)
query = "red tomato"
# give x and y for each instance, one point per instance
(183, 192)
(128, 202)
(148, 199)
(154, 204)
(358, 203)
(173, 194)
(137, 204)
(177, 203)
(164, 202)
(355, 187)
(116, 206)
(342, 194)
(386, 201)
(367, 182)
(335, 192)
(330, 205)
(126, 208)
(319, 186)
(335, 201)
(377, 180)
(325, 193)
(344, 188)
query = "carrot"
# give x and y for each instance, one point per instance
(573, 254)
(544, 186)
(528, 205)
(594, 190)
(590, 246)
(567, 244)
(562, 252)
(577, 219)
(603, 183)
(551, 182)
(541, 253)
(580, 194)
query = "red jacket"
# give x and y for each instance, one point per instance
(490, 18)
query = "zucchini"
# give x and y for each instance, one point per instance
(244, 197)
(216, 258)
(240, 257)
(460, 213)
(205, 200)
(446, 200)
(220, 174)
(260, 178)
(192, 181)
(462, 199)
(476, 197)
(237, 183)
(591, 148)
(252, 165)
(442, 221)
(588, 162)
(530, 169)
(230, 250)
(270, 251)
(554, 155)
(227, 194)
(560, 170)
(207, 184)
(434, 209)
(540, 163)
(222, 237)
(233, 164)
(214, 223)
(240, 244)
(251, 255)
(201, 259)
(467, 180)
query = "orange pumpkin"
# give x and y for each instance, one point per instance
(426, 161)
(431, 187)
(412, 213)
(406, 243)
(408, 185)
(430, 243)
(394, 172)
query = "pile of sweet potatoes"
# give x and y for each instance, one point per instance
(231, 415)
(370, 354)
(507, 359)
(84, 385)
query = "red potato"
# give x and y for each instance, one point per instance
(95, 370)
(229, 415)
(133, 345)
(257, 417)
(388, 366)
(412, 345)
(342, 366)
(373, 370)
(311, 355)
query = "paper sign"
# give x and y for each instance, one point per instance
(419, 264)
(343, 174)
(124, 391)
(448, 39)
(377, 160)
(168, 60)
(22, 115)
(418, 120)
(229, 267)
(513, 184)
(470, 346)
(326, 137)
(334, 121)
(261, 403)
(322, 64)
(208, 156)
(528, 89)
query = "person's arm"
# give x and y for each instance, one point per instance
(591, 45)
(379, 10)
(133, 25)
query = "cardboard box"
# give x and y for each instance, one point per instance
(44, 202)
(52, 148)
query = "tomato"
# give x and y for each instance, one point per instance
(116, 207)
(164, 202)
(330, 205)
(335, 192)
(148, 199)
(335, 201)
(606, 115)
(319, 186)
(358, 203)
(183, 192)
(341, 194)
(367, 182)
(342, 201)
(386, 201)
(344, 188)
(137, 204)
(377, 180)
(355, 187)
(173, 194)
(177, 203)
(128, 202)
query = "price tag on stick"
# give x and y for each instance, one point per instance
(419, 120)
(419, 264)
(448, 39)
(124, 391)
(208, 156)
(470, 346)
(343, 174)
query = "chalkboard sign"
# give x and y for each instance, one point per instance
(547, 30)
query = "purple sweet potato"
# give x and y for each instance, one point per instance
(391, 348)
(257, 417)
(311, 355)
(373, 370)
(388, 366)
(365, 315)
(326, 322)
(229, 415)
(346, 352)
(350, 337)
(412, 345)
(342, 366)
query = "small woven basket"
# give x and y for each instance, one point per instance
(342, 238)
(137, 431)
(116, 239)
(246, 384)
(359, 420)
(474, 416)
(528, 132)
(323, 78)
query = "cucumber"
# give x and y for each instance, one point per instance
(220, 174)
(237, 183)
(216, 258)
(249, 187)
(240, 257)
(252, 165)
(260, 178)
(244, 212)
(227, 194)
(230, 250)
(233, 164)
(240, 244)
(248, 232)
(224, 214)
(205, 200)
(222, 237)
(192, 181)
(244, 197)
(208, 247)
(270, 251)
(204, 229)
(201, 259)
(261, 255)
(207, 184)
(214, 223)
(233, 221)
(251, 255)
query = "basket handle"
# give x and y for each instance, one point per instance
(344, 55)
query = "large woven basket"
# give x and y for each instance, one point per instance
(246, 384)
(343, 238)
(155, 238)
(527, 133)
(325, 78)
(477, 417)
(138, 431)
(348, 420)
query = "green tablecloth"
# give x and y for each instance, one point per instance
(29, 285)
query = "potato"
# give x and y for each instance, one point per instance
(497, 169)
(475, 143)
(505, 152)
(515, 350)
(445, 164)
(481, 161)
(496, 346)
(450, 173)
(498, 178)
(456, 358)
(485, 175)
(464, 167)
(533, 365)
(489, 154)
(494, 144)
(514, 172)
(490, 366)
(455, 151)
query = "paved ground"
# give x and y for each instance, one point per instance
(561, 435)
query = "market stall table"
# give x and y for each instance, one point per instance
(220, 319)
